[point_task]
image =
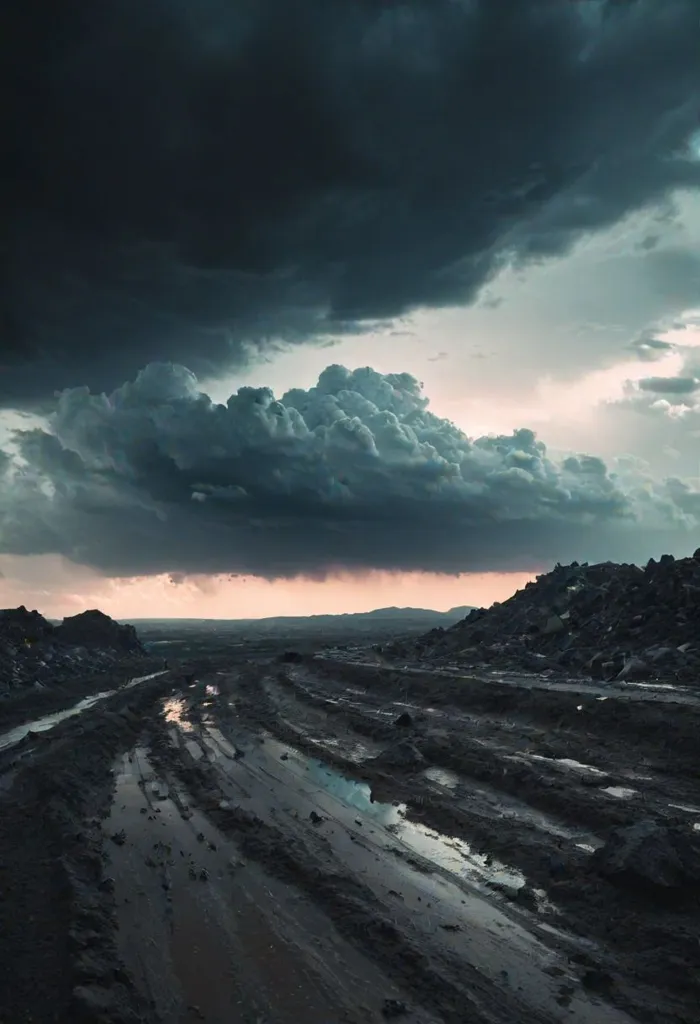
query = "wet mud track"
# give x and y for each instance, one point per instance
(326, 842)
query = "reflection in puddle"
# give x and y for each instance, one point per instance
(9, 739)
(655, 686)
(443, 777)
(621, 792)
(455, 855)
(174, 711)
(563, 762)
(685, 807)
(353, 751)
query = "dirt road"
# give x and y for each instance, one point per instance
(334, 842)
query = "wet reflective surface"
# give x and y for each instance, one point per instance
(14, 736)
(433, 887)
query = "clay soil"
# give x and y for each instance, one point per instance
(332, 841)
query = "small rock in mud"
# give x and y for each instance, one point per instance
(394, 1008)
(404, 755)
(204, 875)
(284, 757)
(238, 754)
(315, 818)
(119, 838)
(634, 668)
(404, 721)
(106, 885)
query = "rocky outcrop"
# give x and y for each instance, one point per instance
(95, 629)
(34, 651)
(606, 621)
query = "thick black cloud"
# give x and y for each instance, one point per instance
(183, 180)
(355, 473)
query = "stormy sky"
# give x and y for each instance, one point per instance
(344, 299)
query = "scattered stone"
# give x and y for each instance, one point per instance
(404, 755)
(634, 668)
(315, 818)
(606, 620)
(404, 721)
(118, 838)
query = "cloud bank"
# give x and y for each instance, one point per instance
(355, 473)
(185, 181)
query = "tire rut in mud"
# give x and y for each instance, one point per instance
(452, 989)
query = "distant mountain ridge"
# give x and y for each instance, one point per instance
(425, 616)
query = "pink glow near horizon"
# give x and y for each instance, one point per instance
(56, 589)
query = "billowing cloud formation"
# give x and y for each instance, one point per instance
(185, 179)
(355, 473)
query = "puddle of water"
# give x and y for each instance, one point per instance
(14, 736)
(174, 712)
(199, 950)
(621, 792)
(655, 686)
(443, 777)
(565, 762)
(353, 751)
(455, 855)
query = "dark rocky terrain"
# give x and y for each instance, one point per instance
(35, 652)
(607, 622)
(263, 834)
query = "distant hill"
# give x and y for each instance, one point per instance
(380, 623)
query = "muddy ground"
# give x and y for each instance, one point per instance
(337, 842)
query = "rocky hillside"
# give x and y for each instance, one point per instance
(34, 651)
(607, 621)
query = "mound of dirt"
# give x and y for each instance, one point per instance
(607, 621)
(33, 651)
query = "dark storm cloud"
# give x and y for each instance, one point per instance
(670, 385)
(184, 180)
(650, 349)
(355, 473)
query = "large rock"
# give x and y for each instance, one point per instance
(34, 652)
(649, 854)
(95, 629)
(17, 625)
